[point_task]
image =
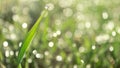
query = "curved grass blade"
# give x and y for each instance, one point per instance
(28, 39)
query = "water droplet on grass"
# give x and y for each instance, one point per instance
(54, 34)
(93, 47)
(24, 25)
(39, 55)
(34, 52)
(82, 61)
(87, 24)
(50, 44)
(58, 32)
(7, 54)
(105, 15)
(20, 44)
(75, 66)
(49, 6)
(46, 53)
(11, 53)
(59, 58)
(5, 44)
(29, 60)
(113, 33)
(88, 66)
(111, 48)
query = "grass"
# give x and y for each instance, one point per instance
(75, 34)
(28, 39)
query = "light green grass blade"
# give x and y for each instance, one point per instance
(29, 37)
(19, 66)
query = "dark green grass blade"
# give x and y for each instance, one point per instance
(28, 39)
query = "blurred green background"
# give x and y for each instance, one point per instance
(74, 33)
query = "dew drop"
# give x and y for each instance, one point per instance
(93, 47)
(75, 66)
(88, 66)
(111, 48)
(11, 53)
(105, 15)
(24, 25)
(39, 55)
(46, 53)
(20, 44)
(29, 60)
(50, 44)
(54, 34)
(49, 6)
(58, 32)
(7, 54)
(82, 61)
(34, 52)
(87, 24)
(59, 58)
(113, 33)
(5, 43)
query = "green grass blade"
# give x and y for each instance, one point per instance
(28, 39)
(19, 66)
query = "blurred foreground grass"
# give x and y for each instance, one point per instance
(74, 34)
